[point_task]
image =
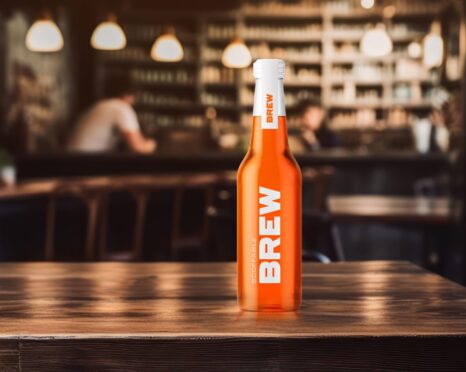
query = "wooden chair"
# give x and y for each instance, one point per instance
(91, 193)
(318, 225)
(315, 211)
(140, 188)
(222, 215)
(198, 240)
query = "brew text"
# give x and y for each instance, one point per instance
(270, 121)
(269, 236)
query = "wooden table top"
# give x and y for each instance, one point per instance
(386, 209)
(58, 308)
(364, 298)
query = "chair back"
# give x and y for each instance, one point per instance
(316, 188)
(204, 183)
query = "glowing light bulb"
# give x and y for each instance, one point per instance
(108, 35)
(44, 35)
(367, 4)
(376, 42)
(167, 48)
(236, 55)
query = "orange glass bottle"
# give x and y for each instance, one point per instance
(269, 203)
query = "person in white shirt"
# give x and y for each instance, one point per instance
(110, 122)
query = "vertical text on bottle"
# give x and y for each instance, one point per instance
(269, 236)
(270, 123)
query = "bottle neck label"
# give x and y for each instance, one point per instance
(269, 101)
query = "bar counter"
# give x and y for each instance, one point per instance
(356, 172)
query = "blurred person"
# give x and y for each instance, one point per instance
(30, 113)
(439, 140)
(315, 133)
(111, 121)
(442, 119)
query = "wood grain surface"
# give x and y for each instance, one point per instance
(176, 316)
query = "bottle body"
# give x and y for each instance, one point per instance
(269, 221)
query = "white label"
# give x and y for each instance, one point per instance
(269, 236)
(269, 102)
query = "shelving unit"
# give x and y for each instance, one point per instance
(319, 41)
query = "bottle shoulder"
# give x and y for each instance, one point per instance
(256, 160)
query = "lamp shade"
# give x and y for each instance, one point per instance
(44, 35)
(433, 47)
(167, 48)
(236, 55)
(376, 42)
(108, 35)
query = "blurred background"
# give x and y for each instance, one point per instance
(122, 124)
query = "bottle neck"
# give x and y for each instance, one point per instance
(269, 133)
(269, 141)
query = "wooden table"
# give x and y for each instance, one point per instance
(391, 209)
(94, 191)
(355, 316)
(46, 187)
(27, 189)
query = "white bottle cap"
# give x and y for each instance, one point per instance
(269, 69)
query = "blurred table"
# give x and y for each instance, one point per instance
(391, 209)
(177, 316)
(94, 191)
(27, 189)
(46, 187)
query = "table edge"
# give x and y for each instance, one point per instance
(200, 336)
